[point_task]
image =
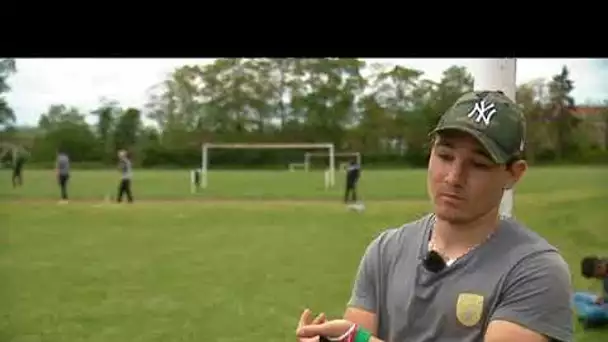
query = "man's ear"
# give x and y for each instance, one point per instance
(516, 171)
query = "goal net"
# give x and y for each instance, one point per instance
(328, 148)
(307, 164)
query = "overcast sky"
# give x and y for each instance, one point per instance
(42, 82)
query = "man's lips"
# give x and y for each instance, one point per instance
(451, 195)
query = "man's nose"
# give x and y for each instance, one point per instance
(456, 175)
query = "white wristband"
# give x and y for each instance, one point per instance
(345, 335)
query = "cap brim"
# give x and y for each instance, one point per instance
(490, 146)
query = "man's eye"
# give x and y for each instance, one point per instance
(481, 165)
(445, 156)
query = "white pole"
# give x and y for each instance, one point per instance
(306, 161)
(204, 167)
(498, 74)
(332, 166)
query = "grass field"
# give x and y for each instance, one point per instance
(236, 262)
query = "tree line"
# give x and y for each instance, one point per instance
(383, 112)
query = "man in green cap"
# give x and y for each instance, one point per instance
(461, 273)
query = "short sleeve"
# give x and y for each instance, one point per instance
(365, 289)
(537, 296)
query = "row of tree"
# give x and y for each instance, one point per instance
(383, 112)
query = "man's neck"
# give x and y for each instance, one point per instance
(454, 240)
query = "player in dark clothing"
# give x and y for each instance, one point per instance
(126, 171)
(18, 170)
(196, 179)
(62, 169)
(353, 172)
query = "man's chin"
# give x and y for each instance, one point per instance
(451, 216)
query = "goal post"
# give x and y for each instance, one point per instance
(308, 155)
(498, 74)
(329, 175)
(293, 166)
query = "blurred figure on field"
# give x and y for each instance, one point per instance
(18, 162)
(353, 172)
(593, 267)
(196, 179)
(62, 170)
(591, 308)
(126, 170)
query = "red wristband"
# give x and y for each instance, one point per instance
(353, 333)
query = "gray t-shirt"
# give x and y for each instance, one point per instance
(515, 276)
(63, 164)
(125, 168)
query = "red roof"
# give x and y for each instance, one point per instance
(590, 110)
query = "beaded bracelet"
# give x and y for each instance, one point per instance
(354, 334)
(362, 335)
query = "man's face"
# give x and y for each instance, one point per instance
(601, 270)
(463, 181)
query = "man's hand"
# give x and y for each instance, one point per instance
(599, 300)
(331, 329)
(307, 321)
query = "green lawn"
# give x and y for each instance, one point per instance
(228, 270)
(404, 184)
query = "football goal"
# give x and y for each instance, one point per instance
(306, 165)
(329, 178)
(342, 166)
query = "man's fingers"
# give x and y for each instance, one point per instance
(308, 331)
(333, 328)
(319, 319)
(304, 318)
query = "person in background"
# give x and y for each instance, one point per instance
(62, 170)
(592, 308)
(126, 171)
(18, 162)
(353, 172)
(593, 267)
(196, 179)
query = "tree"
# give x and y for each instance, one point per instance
(384, 111)
(530, 96)
(107, 114)
(455, 82)
(128, 126)
(326, 106)
(58, 115)
(561, 106)
(392, 116)
(7, 68)
(63, 127)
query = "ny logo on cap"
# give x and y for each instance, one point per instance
(482, 112)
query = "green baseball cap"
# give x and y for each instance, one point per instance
(491, 118)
